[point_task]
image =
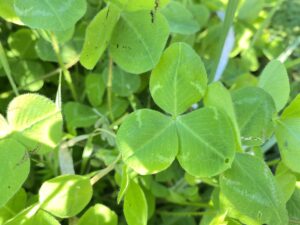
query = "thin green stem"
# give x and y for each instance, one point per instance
(273, 162)
(109, 88)
(65, 71)
(7, 70)
(105, 171)
(168, 213)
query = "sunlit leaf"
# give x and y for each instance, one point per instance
(65, 196)
(148, 141)
(179, 80)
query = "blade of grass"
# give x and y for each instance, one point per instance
(4, 62)
(229, 16)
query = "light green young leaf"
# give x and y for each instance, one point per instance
(287, 135)
(274, 80)
(179, 80)
(250, 189)
(148, 141)
(136, 5)
(135, 205)
(50, 15)
(98, 215)
(7, 11)
(22, 43)
(35, 122)
(31, 216)
(98, 34)
(180, 19)
(206, 142)
(254, 111)
(286, 181)
(138, 41)
(123, 83)
(16, 204)
(15, 166)
(218, 96)
(4, 127)
(65, 196)
(94, 88)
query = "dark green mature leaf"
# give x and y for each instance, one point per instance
(98, 35)
(123, 84)
(15, 166)
(95, 88)
(206, 142)
(180, 19)
(65, 196)
(148, 141)
(138, 41)
(254, 110)
(98, 215)
(250, 189)
(274, 80)
(135, 205)
(287, 135)
(50, 15)
(78, 115)
(179, 80)
(22, 43)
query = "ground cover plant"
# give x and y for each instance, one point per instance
(158, 112)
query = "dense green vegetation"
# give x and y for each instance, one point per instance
(158, 112)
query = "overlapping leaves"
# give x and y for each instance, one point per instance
(150, 141)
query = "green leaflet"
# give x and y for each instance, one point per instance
(148, 141)
(274, 80)
(250, 188)
(179, 80)
(135, 205)
(16, 204)
(51, 15)
(286, 181)
(98, 215)
(207, 142)
(7, 11)
(31, 216)
(35, 122)
(287, 135)
(138, 41)
(98, 35)
(79, 115)
(123, 84)
(136, 5)
(65, 196)
(255, 110)
(95, 88)
(180, 19)
(293, 206)
(22, 44)
(218, 96)
(250, 9)
(15, 166)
